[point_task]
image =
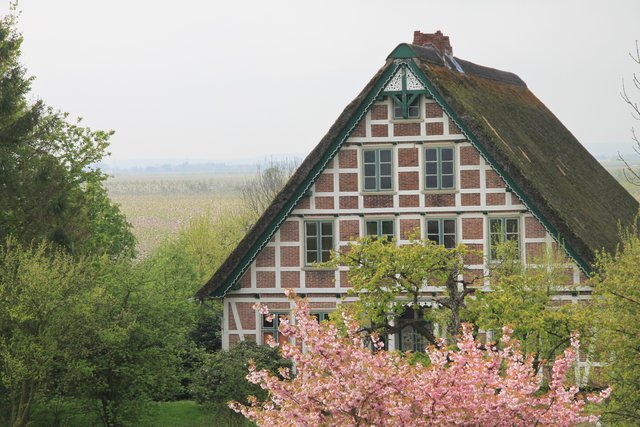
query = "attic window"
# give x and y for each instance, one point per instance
(406, 105)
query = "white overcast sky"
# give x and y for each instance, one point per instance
(220, 81)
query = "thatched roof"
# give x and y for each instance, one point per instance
(565, 187)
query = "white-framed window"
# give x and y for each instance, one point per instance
(442, 231)
(439, 168)
(318, 241)
(503, 229)
(377, 169)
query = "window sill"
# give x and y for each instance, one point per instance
(378, 193)
(452, 191)
(311, 268)
(418, 120)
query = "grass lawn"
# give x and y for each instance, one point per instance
(186, 413)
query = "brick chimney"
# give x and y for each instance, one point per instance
(437, 39)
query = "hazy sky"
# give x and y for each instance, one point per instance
(219, 81)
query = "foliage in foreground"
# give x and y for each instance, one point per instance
(616, 309)
(340, 381)
(387, 278)
(95, 329)
(521, 295)
(222, 376)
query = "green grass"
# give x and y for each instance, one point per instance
(184, 413)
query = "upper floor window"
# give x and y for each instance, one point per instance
(442, 232)
(406, 105)
(377, 169)
(439, 168)
(380, 228)
(318, 240)
(503, 230)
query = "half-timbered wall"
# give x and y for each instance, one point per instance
(338, 196)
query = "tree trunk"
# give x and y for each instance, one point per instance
(21, 405)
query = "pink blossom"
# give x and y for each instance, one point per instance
(340, 381)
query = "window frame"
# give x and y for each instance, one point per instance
(504, 234)
(441, 233)
(377, 176)
(273, 330)
(318, 236)
(379, 222)
(439, 174)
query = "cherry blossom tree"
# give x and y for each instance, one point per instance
(340, 381)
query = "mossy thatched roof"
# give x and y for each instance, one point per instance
(543, 163)
(559, 177)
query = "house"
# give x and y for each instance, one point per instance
(433, 144)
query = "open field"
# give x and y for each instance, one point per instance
(159, 205)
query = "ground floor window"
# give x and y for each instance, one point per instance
(412, 336)
(270, 327)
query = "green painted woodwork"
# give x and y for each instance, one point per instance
(402, 51)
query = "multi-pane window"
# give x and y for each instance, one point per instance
(378, 169)
(380, 228)
(318, 237)
(406, 106)
(442, 232)
(439, 168)
(320, 316)
(503, 230)
(270, 327)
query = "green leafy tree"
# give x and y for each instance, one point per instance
(388, 278)
(40, 289)
(521, 296)
(49, 186)
(616, 310)
(222, 377)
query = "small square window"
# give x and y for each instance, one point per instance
(378, 169)
(406, 106)
(380, 228)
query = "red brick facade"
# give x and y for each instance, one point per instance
(337, 197)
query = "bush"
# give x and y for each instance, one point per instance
(222, 376)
